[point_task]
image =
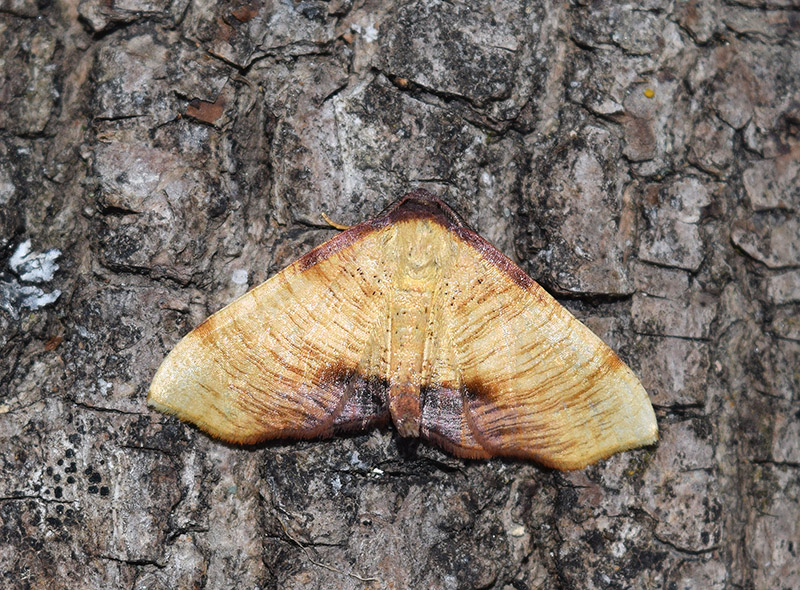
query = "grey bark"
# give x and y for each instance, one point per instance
(640, 160)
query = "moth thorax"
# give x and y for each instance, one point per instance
(420, 253)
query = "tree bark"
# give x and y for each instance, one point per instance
(157, 159)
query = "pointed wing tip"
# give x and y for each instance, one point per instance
(637, 431)
(155, 404)
(161, 401)
(647, 431)
(650, 439)
(159, 395)
(644, 434)
(166, 380)
(581, 462)
(155, 393)
(210, 429)
(171, 394)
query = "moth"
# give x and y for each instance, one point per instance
(410, 317)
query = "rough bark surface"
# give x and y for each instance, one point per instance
(158, 158)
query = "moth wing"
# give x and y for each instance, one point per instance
(294, 357)
(532, 381)
(444, 414)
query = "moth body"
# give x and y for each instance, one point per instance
(414, 318)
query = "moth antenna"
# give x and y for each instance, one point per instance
(333, 224)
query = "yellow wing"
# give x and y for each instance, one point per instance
(528, 379)
(294, 357)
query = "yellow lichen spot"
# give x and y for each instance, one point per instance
(649, 92)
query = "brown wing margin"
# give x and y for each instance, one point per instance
(445, 421)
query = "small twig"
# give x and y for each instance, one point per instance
(318, 563)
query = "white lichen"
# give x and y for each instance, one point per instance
(239, 276)
(34, 267)
(14, 297)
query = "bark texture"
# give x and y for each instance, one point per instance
(158, 158)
